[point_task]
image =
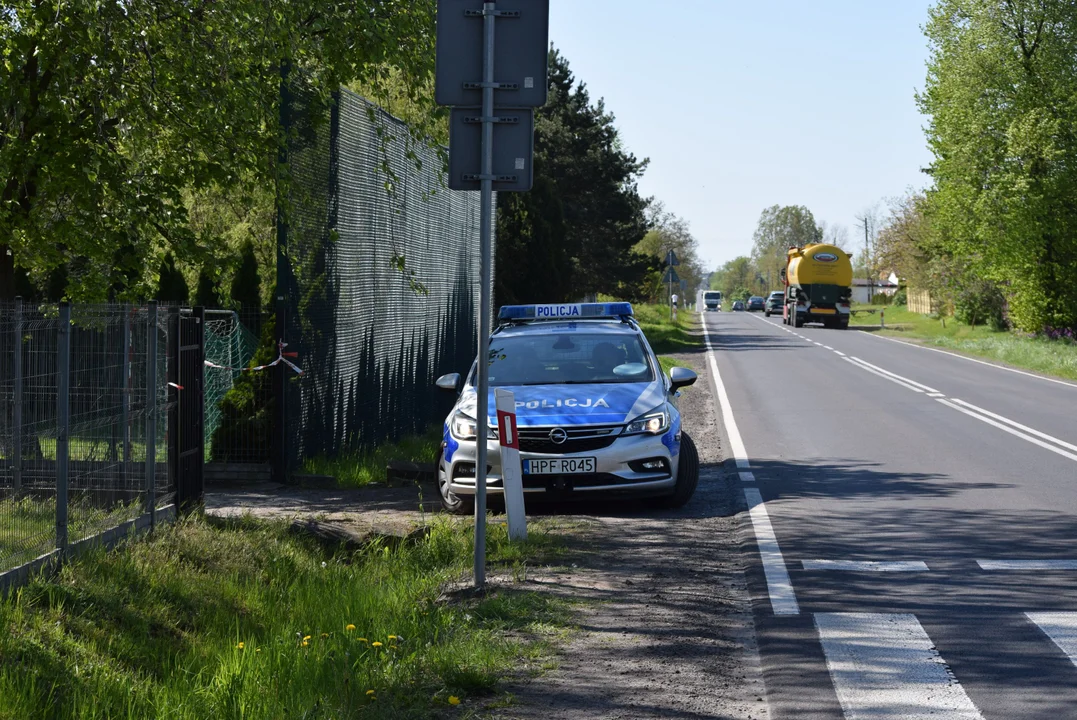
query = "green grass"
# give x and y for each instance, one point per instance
(28, 525)
(245, 620)
(665, 335)
(368, 468)
(1030, 353)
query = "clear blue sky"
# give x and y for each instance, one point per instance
(743, 105)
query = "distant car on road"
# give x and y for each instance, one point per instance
(775, 303)
(712, 300)
(738, 306)
(756, 303)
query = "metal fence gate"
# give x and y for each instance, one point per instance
(186, 438)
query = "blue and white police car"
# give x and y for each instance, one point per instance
(595, 414)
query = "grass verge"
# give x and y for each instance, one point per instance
(368, 468)
(1050, 357)
(245, 620)
(663, 333)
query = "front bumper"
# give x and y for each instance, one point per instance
(613, 474)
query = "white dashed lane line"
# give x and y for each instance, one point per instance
(1027, 565)
(866, 565)
(1061, 627)
(885, 667)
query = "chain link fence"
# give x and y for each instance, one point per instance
(83, 406)
(378, 268)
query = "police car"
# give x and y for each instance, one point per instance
(595, 414)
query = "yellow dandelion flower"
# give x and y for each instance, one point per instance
(393, 637)
(369, 692)
(258, 650)
(306, 637)
(239, 646)
(363, 640)
(325, 635)
(375, 644)
(305, 643)
(349, 627)
(453, 700)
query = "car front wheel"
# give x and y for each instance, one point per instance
(687, 475)
(453, 503)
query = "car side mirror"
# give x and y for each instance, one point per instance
(682, 377)
(451, 381)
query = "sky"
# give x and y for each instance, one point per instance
(744, 105)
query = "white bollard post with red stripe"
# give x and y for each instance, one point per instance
(511, 472)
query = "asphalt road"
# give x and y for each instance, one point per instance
(915, 519)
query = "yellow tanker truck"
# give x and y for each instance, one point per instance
(818, 285)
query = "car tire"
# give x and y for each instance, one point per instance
(453, 503)
(797, 320)
(687, 475)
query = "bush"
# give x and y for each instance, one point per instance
(981, 302)
(901, 297)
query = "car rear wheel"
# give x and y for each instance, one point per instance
(687, 475)
(453, 503)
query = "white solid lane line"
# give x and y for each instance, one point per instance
(866, 565)
(1019, 565)
(883, 375)
(885, 667)
(978, 362)
(923, 387)
(1061, 627)
(735, 442)
(1010, 430)
(1019, 426)
(783, 599)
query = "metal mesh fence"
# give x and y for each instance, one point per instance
(73, 424)
(371, 341)
(237, 413)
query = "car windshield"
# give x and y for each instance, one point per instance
(712, 296)
(568, 358)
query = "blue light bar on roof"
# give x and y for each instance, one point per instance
(577, 311)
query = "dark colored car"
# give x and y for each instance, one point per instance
(756, 303)
(775, 303)
(738, 305)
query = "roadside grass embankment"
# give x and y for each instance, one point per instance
(362, 469)
(1050, 357)
(246, 620)
(665, 334)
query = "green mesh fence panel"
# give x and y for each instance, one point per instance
(230, 345)
(370, 345)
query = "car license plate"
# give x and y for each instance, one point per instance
(824, 311)
(561, 466)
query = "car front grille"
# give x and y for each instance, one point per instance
(584, 439)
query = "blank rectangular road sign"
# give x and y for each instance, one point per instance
(521, 45)
(513, 149)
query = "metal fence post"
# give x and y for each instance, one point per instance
(63, 389)
(151, 413)
(16, 419)
(125, 390)
(280, 411)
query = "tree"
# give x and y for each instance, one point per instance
(734, 278)
(670, 232)
(246, 291)
(110, 111)
(999, 97)
(587, 179)
(836, 235)
(171, 285)
(779, 229)
(205, 294)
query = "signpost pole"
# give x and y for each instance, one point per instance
(485, 228)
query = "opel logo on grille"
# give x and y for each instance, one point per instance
(558, 436)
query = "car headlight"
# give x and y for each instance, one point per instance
(653, 423)
(464, 427)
